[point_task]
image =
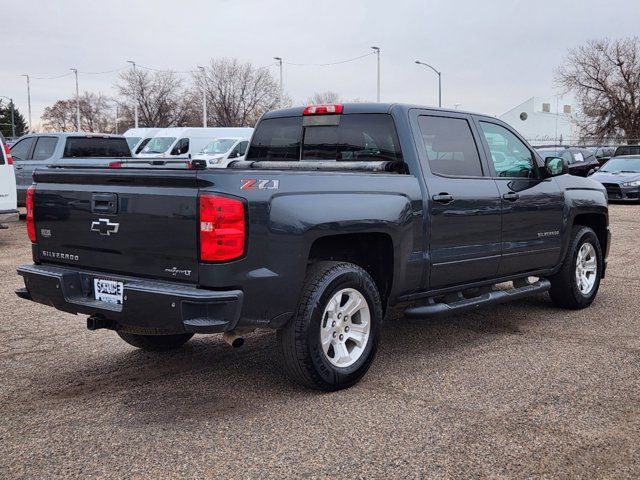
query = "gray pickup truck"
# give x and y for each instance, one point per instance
(39, 150)
(336, 213)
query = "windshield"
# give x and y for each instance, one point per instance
(221, 145)
(132, 141)
(625, 165)
(159, 144)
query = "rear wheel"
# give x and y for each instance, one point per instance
(156, 343)
(576, 284)
(331, 341)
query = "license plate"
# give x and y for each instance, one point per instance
(108, 291)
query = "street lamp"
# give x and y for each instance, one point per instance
(75, 71)
(279, 59)
(29, 100)
(13, 118)
(377, 50)
(204, 96)
(439, 81)
(135, 94)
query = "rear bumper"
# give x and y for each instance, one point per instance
(9, 216)
(149, 306)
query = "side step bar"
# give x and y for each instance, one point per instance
(462, 304)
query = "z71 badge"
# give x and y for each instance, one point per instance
(256, 184)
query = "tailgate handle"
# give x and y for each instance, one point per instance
(104, 203)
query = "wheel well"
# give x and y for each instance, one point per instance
(597, 222)
(371, 251)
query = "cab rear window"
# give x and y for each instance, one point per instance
(361, 137)
(82, 147)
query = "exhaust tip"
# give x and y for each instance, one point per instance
(233, 339)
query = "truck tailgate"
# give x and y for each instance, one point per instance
(130, 222)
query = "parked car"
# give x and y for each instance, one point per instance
(8, 204)
(603, 154)
(581, 161)
(621, 177)
(627, 150)
(222, 151)
(337, 213)
(137, 138)
(52, 149)
(186, 142)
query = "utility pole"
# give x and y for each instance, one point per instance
(439, 81)
(279, 59)
(377, 50)
(204, 96)
(29, 100)
(135, 87)
(75, 70)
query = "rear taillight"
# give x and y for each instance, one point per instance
(115, 164)
(7, 153)
(334, 109)
(31, 226)
(222, 228)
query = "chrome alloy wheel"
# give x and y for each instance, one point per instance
(345, 327)
(586, 268)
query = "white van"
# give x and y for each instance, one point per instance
(8, 198)
(222, 151)
(137, 138)
(185, 142)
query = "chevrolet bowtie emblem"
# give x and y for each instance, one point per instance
(104, 227)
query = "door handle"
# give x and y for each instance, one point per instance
(511, 196)
(443, 198)
(17, 167)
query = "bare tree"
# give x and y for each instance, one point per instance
(605, 77)
(96, 114)
(237, 93)
(328, 96)
(60, 117)
(163, 100)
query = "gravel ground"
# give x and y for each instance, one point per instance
(518, 390)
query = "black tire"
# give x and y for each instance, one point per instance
(564, 291)
(300, 345)
(156, 343)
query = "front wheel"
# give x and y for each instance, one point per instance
(576, 284)
(156, 343)
(331, 341)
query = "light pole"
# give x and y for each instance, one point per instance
(13, 118)
(377, 50)
(75, 70)
(29, 99)
(279, 59)
(439, 81)
(204, 96)
(135, 94)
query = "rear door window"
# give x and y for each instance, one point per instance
(22, 149)
(350, 137)
(82, 147)
(451, 148)
(45, 146)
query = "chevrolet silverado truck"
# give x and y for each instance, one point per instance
(336, 213)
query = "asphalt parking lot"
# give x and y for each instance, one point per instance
(516, 390)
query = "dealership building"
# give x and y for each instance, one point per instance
(544, 120)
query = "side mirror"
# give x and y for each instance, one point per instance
(234, 154)
(556, 166)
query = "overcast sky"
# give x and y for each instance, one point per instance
(493, 55)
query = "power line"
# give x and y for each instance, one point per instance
(51, 77)
(161, 70)
(330, 63)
